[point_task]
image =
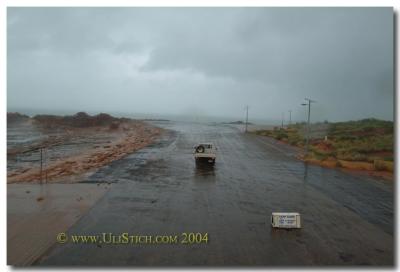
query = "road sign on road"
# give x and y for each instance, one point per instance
(285, 220)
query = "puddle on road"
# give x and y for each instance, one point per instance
(204, 173)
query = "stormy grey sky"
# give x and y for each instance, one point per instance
(202, 61)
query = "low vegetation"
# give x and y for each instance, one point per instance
(79, 120)
(16, 117)
(365, 144)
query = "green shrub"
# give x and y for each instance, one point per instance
(281, 135)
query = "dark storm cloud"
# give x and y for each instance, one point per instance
(209, 61)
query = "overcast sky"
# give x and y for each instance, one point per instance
(203, 61)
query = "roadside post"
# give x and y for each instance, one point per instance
(41, 164)
(308, 103)
(247, 118)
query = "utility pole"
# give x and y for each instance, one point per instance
(290, 117)
(247, 117)
(283, 117)
(309, 101)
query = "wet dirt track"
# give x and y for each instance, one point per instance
(346, 219)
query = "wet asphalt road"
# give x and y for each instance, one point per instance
(347, 219)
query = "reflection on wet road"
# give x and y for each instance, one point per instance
(205, 172)
(347, 219)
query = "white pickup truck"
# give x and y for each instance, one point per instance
(205, 152)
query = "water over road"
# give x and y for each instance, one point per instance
(347, 219)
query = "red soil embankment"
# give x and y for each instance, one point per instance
(113, 139)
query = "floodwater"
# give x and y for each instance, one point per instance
(347, 219)
(37, 213)
(23, 140)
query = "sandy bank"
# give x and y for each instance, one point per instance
(358, 167)
(69, 153)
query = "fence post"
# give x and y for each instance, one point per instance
(41, 164)
(45, 159)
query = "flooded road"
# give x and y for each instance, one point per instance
(346, 219)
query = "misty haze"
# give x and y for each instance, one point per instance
(202, 62)
(200, 136)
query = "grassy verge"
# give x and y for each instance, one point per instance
(363, 145)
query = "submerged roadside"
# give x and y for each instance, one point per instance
(48, 158)
(68, 150)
